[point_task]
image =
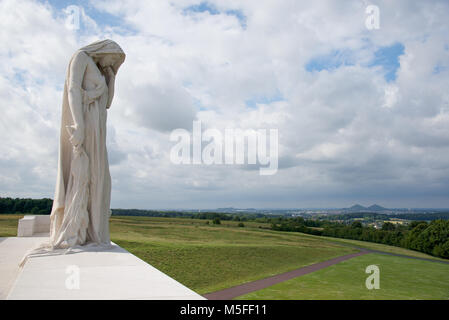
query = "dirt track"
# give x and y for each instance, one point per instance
(233, 292)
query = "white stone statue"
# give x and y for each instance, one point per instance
(81, 207)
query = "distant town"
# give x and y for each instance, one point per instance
(374, 215)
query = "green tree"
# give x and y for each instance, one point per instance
(388, 226)
(432, 240)
(356, 224)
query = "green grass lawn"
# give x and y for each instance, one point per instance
(400, 278)
(8, 224)
(210, 257)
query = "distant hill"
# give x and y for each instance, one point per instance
(376, 207)
(357, 207)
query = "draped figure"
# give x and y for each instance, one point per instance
(81, 207)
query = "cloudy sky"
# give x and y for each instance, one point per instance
(362, 115)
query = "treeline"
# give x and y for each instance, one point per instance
(299, 224)
(150, 213)
(17, 205)
(355, 215)
(431, 238)
(193, 215)
(258, 217)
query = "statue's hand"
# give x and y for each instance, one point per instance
(109, 74)
(76, 135)
(110, 71)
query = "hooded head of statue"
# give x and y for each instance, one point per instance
(105, 53)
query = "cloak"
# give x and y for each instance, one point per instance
(70, 218)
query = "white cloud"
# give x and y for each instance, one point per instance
(345, 134)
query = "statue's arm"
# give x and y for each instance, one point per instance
(75, 95)
(111, 85)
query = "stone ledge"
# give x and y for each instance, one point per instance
(103, 274)
(31, 225)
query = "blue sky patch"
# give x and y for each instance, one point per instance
(253, 101)
(212, 10)
(388, 59)
(331, 61)
(202, 7)
(101, 18)
(439, 68)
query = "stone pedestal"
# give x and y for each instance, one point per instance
(33, 225)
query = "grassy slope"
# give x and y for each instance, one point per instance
(207, 258)
(400, 278)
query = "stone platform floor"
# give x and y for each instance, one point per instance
(89, 274)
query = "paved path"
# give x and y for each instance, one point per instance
(248, 287)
